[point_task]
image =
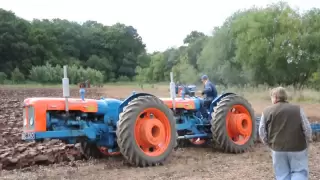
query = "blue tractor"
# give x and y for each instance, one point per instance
(143, 128)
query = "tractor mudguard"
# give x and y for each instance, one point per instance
(217, 99)
(130, 98)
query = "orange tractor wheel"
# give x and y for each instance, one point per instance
(233, 124)
(146, 132)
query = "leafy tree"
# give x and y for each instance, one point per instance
(193, 36)
(113, 50)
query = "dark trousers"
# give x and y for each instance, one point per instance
(205, 106)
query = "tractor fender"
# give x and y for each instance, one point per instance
(130, 98)
(217, 99)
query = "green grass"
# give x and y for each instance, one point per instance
(263, 93)
(35, 86)
(38, 85)
(251, 93)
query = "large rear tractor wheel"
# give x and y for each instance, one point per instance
(146, 132)
(233, 124)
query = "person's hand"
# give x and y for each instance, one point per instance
(198, 93)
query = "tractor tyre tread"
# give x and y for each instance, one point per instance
(219, 129)
(125, 131)
(90, 150)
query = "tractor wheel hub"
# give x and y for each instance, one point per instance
(152, 132)
(241, 124)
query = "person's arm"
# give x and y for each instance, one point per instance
(262, 130)
(306, 127)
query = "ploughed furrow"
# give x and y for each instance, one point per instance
(28, 154)
(15, 153)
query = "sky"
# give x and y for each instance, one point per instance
(161, 24)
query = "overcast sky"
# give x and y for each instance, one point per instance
(161, 24)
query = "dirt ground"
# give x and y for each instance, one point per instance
(185, 163)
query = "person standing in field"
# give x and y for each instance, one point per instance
(285, 129)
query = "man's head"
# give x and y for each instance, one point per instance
(278, 94)
(204, 79)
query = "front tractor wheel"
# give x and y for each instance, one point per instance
(146, 132)
(233, 124)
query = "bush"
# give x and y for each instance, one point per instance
(17, 76)
(3, 77)
(49, 74)
(123, 79)
(46, 74)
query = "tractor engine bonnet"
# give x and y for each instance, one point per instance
(37, 111)
(187, 103)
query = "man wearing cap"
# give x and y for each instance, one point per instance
(285, 129)
(209, 92)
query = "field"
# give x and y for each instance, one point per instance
(185, 163)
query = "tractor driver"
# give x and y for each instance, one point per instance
(209, 92)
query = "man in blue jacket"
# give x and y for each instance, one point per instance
(209, 92)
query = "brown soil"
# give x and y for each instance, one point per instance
(62, 160)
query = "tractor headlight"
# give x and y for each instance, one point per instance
(24, 121)
(24, 118)
(31, 121)
(30, 116)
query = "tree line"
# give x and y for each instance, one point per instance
(28, 48)
(272, 45)
(275, 45)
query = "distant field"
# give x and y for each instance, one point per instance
(162, 89)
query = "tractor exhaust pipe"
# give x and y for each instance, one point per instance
(172, 92)
(65, 87)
